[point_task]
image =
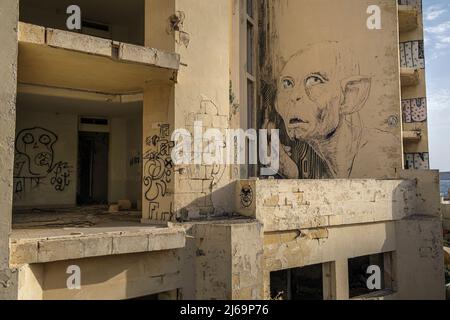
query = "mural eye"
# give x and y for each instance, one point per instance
(314, 80)
(44, 139)
(288, 83)
(28, 138)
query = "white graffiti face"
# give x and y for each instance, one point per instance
(312, 98)
(36, 145)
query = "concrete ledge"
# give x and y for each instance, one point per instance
(68, 60)
(412, 136)
(409, 77)
(29, 250)
(408, 18)
(305, 204)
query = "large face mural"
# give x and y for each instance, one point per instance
(337, 105)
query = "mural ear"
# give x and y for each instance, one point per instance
(355, 92)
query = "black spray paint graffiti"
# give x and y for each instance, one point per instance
(317, 107)
(35, 161)
(246, 196)
(158, 170)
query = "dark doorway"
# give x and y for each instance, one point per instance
(297, 284)
(92, 168)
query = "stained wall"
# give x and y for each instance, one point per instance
(331, 85)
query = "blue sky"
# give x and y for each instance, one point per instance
(437, 46)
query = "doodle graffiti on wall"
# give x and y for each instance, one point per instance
(412, 54)
(158, 169)
(246, 196)
(35, 162)
(316, 106)
(414, 110)
(417, 161)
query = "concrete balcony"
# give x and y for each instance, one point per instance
(68, 60)
(408, 17)
(412, 136)
(32, 247)
(309, 204)
(409, 77)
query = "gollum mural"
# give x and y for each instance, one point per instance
(316, 102)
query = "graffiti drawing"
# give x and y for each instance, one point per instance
(35, 161)
(246, 196)
(158, 173)
(412, 54)
(417, 161)
(317, 108)
(414, 110)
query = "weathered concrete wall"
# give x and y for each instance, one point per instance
(297, 204)
(118, 161)
(331, 85)
(105, 278)
(221, 260)
(134, 160)
(225, 261)
(9, 14)
(46, 148)
(420, 258)
(295, 249)
(201, 93)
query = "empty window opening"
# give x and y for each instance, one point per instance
(362, 278)
(92, 168)
(169, 295)
(297, 284)
(110, 19)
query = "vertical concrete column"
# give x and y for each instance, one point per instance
(158, 169)
(419, 258)
(341, 280)
(9, 13)
(157, 24)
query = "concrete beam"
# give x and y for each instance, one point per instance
(409, 77)
(305, 204)
(69, 60)
(50, 248)
(408, 18)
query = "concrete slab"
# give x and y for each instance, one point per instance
(62, 59)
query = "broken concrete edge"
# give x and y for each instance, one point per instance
(408, 17)
(61, 92)
(127, 53)
(274, 202)
(409, 77)
(50, 249)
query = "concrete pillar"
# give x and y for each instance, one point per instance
(419, 259)
(9, 14)
(200, 94)
(341, 280)
(158, 170)
(228, 261)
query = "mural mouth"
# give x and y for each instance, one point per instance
(295, 122)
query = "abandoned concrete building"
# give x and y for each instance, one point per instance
(87, 180)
